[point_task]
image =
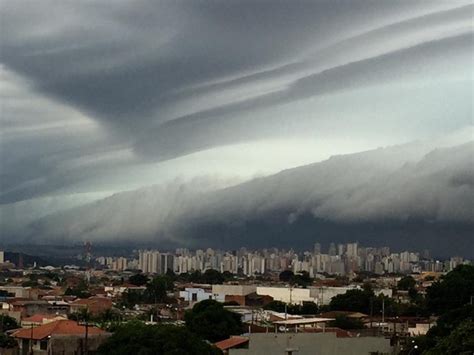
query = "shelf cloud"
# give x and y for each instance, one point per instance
(99, 98)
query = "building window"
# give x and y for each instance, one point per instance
(194, 296)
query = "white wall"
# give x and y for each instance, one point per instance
(323, 295)
(234, 290)
(201, 295)
(286, 294)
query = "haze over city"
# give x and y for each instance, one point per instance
(241, 123)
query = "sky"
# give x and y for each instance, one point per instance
(101, 97)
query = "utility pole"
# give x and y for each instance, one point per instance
(381, 324)
(86, 335)
(86, 345)
(31, 339)
(383, 310)
(371, 313)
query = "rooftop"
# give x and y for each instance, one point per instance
(231, 342)
(60, 327)
(303, 321)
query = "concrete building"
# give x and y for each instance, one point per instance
(234, 290)
(287, 294)
(55, 338)
(192, 294)
(310, 344)
(94, 305)
(21, 292)
(323, 295)
(319, 295)
(29, 308)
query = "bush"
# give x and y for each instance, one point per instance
(6, 342)
(347, 323)
(453, 291)
(138, 338)
(7, 323)
(305, 308)
(211, 321)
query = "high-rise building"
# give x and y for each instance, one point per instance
(340, 249)
(317, 248)
(351, 250)
(166, 263)
(332, 249)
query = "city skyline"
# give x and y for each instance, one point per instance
(340, 259)
(237, 177)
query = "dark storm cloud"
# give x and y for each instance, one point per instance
(412, 181)
(122, 63)
(443, 55)
(101, 91)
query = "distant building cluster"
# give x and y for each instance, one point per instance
(340, 259)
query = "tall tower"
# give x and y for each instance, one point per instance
(317, 248)
(88, 259)
(88, 253)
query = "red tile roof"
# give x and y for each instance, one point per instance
(231, 342)
(60, 327)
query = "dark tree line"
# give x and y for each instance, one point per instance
(138, 338)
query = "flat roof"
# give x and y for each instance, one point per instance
(303, 321)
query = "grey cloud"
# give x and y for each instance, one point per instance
(218, 126)
(120, 65)
(412, 181)
(107, 91)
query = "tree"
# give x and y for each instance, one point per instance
(7, 342)
(7, 323)
(344, 322)
(306, 308)
(453, 291)
(448, 321)
(276, 306)
(459, 341)
(157, 288)
(302, 279)
(286, 276)
(138, 279)
(363, 301)
(132, 297)
(309, 308)
(212, 277)
(406, 283)
(210, 320)
(353, 300)
(81, 290)
(138, 338)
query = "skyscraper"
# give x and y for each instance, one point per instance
(317, 248)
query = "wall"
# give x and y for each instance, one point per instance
(200, 295)
(73, 344)
(287, 295)
(312, 344)
(323, 295)
(234, 290)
